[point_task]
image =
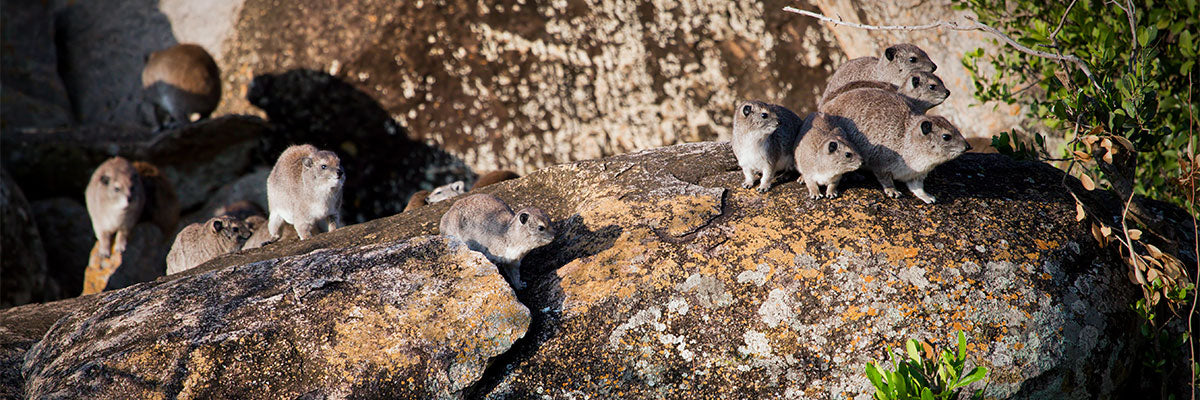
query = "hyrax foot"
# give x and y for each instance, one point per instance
(762, 189)
(748, 184)
(892, 192)
(833, 195)
(814, 196)
(925, 197)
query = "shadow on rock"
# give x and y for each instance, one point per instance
(544, 296)
(383, 165)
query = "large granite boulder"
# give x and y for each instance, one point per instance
(668, 280)
(414, 319)
(22, 257)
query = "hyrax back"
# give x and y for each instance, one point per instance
(823, 155)
(304, 187)
(487, 225)
(894, 141)
(446, 192)
(763, 138)
(200, 242)
(923, 90)
(895, 65)
(494, 177)
(115, 198)
(417, 200)
(182, 80)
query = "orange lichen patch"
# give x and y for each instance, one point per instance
(200, 368)
(586, 281)
(95, 277)
(780, 257)
(895, 254)
(375, 339)
(807, 273)
(685, 214)
(851, 314)
(1045, 244)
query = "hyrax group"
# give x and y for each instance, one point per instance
(872, 115)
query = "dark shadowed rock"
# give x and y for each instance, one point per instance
(416, 319)
(32, 95)
(143, 260)
(22, 257)
(65, 224)
(196, 159)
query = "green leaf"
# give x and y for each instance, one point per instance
(962, 338)
(975, 375)
(910, 346)
(873, 375)
(926, 394)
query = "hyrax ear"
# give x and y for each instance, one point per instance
(104, 180)
(217, 225)
(746, 110)
(926, 127)
(832, 146)
(916, 81)
(890, 53)
(524, 217)
(308, 162)
(457, 186)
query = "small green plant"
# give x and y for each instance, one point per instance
(926, 376)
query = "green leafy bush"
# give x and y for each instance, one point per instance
(925, 376)
(1143, 61)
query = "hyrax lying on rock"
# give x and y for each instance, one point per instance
(417, 200)
(895, 142)
(489, 226)
(446, 192)
(823, 155)
(183, 81)
(897, 61)
(200, 242)
(115, 197)
(923, 90)
(304, 187)
(763, 138)
(494, 177)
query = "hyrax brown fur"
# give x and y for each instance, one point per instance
(823, 155)
(200, 242)
(115, 198)
(182, 80)
(898, 60)
(494, 177)
(895, 142)
(304, 187)
(763, 138)
(487, 225)
(417, 200)
(923, 90)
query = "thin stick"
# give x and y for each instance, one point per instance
(1054, 36)
(973, 26)
(1195, 237)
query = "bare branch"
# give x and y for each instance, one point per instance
(1054, 36)
(975, 25)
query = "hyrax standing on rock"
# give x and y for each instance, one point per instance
(198, 243)
(304, 187)
(763, 138)
(446, 192)
(823, 155)
(923, 90)
(489, 226)
(183, 81)
(897, 61)
(895, 142)
(115, 197)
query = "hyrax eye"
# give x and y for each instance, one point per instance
(323, 166)
(764, 115)
(912, 60)
(932, 87)
(746, 110)
(541, 228)
(946, 137)
(849, 155)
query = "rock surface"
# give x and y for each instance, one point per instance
(417, 319)
(22, 257)
(144, 259)
(65, 224)
(667, 280)
(32, 95)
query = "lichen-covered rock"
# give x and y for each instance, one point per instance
(416, 319)
(143, 260)
(68, 229)
(22, 257)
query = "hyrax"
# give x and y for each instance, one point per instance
(763, 138)
(489, 226)
(183, 81)
(823, 155)
(897, 61)
(923, 90)
(494, 177)
(115, 198)
(445, 192)
(200, 242)
(895, 142)
(304, 187)
(417, 200)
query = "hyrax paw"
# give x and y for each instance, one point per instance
(814, 196)
(763, 189)
(831, 195)
(747, 184)
(104, 253)
(893, 193)
(927, 199)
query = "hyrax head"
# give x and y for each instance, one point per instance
(532, 227)
(925, 87)
(907, 57)
(120, 185)
(937, 137)
(229, 229)
(445, 192)
(837, 153)
(755, 116)
(323, 169)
